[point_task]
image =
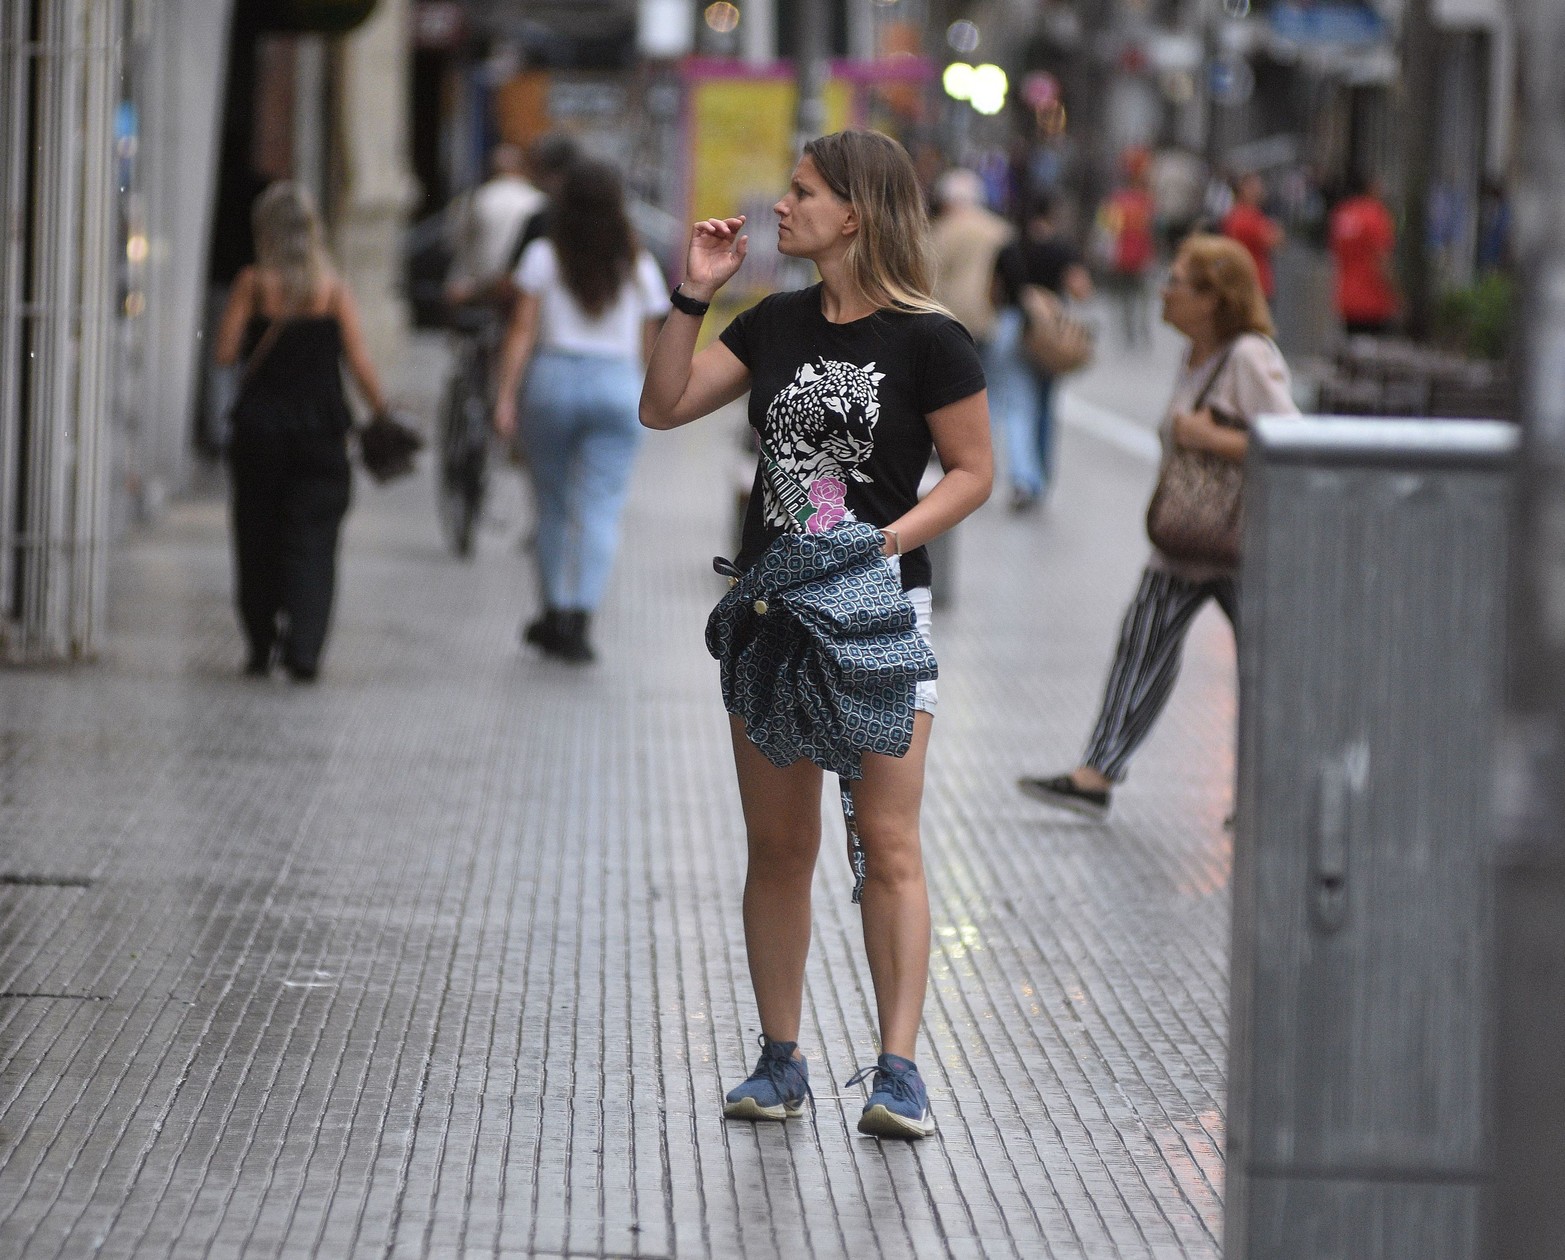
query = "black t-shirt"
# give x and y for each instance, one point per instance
(1034, 262)
(841, 412)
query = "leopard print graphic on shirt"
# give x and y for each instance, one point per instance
(821, 427)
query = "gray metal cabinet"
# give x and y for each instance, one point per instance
(1370, 670)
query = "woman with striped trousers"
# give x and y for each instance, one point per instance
(1233, 369)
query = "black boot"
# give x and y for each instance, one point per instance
(573, 638)
(546, 631)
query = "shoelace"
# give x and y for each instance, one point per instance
(774, 1067)
(897, 1081)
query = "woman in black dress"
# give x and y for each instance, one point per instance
(294, 324)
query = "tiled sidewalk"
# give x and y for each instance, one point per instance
(443, 956)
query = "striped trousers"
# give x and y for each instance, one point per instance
(1146, 662)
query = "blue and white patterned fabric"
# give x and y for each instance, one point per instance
(819, 652)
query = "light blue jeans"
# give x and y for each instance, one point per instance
(1021, 399)
(581, 434)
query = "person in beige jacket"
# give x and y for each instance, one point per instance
(967, 238)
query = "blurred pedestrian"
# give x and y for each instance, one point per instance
(965, 238)
(1232, 374)
(484, 224)
(548, 159)
(590, 301)
(1177, 180)
(1249, 224)
(1126, 246)
(1363, 243)
(295, 324)
(1021, 392)
(852, 382)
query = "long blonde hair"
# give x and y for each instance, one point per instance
(289, 241)
(888, 259)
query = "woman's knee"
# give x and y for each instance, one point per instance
(893, 855)
(788, 852)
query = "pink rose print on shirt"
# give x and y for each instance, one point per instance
(829, 497)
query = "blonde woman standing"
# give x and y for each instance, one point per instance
(295, 324)
(852, 382)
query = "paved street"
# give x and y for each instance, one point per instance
(443, 955)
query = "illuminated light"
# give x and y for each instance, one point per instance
(1237, 8)
(722, 17)
(962, 36)
(988, 89)
(136, 248)
(958, 81)
(135, 303)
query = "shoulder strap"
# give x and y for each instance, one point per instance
(1211, 380)
(263, 348)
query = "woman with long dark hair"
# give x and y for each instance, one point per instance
(296, 324)
(591, 299)
(852, 382)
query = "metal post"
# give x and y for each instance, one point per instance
(810, 120)
(1527, 1209)
(1420, 108)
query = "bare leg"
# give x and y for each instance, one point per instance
(896, 898)
(782, 816)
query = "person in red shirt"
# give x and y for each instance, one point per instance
(1250, 225)
(1363, 238)
(1125, 245)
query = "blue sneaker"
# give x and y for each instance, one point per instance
(898, 1105)
(776, 1090)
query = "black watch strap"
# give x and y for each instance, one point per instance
(689, 305)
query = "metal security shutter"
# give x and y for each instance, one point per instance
(59, 81)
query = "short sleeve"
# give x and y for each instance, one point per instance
(949, 368)
(738, 335)
(1258, 382)
(537, 270)
(651, 290)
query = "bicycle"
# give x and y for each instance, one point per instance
(464, 426)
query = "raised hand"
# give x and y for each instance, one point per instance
(716, 252)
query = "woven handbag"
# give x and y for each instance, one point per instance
(1197, 510)
(1054, 341)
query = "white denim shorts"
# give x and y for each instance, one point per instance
(925, 697)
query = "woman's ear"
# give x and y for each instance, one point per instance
(850, 225)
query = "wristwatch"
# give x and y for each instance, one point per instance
(689, 305)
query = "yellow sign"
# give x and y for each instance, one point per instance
(740, 153)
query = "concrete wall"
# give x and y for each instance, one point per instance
(182, 47)
(378, 187)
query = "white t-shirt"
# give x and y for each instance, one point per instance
(487, 223)
(563, 325)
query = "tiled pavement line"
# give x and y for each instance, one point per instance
(159, 1063)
